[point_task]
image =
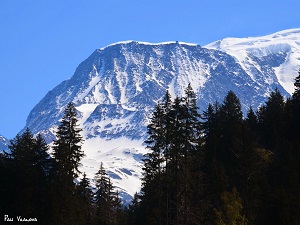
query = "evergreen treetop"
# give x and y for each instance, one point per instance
(67, 148)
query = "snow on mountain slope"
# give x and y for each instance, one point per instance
(116, 88)
(3, 143)
(122, 159)
(280, 51)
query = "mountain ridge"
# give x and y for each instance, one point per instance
(116, 88)
(286, 41)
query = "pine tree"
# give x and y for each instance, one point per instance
(210, 123)
(67, 147)
(43, 161)
(22, 154)
(155, 198)
(295, 120)
(43, 164)
(166, 118)
(285, 174)
(227, 147)
(85, 212)
(278, 132)
(271, 121)
(296, 94)
(153, 160)
(22, 148)
(175, 160)
(191, 120)
(153, 167)
(251, 120)
(67, 155)
(107, 202)
(192, 159)
(231, 128)
(30, 164)
(293, 155)
(135, 211)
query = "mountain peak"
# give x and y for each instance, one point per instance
(116, 88)
(128, 42)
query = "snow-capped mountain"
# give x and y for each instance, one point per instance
(3, 143)
(116, 88)
(278, 54)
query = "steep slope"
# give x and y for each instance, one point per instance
(116, 88)
(123, 81)
(3, 143)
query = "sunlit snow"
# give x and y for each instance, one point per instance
(121, 157)
(287, 41)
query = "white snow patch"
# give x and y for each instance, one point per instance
(94, 81)
(115, 155)
(86, 110)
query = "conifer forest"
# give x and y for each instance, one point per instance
(216, 167)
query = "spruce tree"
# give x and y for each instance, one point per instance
(22, 153)
(251, 120)
(295, 120)
(67, 147)
(135, 213)
(278, 134)
(43, 161)
(85, 212)
(287, 169)
(296, 94)
(67, 155)
(271, 122)
(294, 153)
(231, 127)
(30, 164)
(107, 202)
(153, 167)
(226, 149)
(156, 181)
(192, 159)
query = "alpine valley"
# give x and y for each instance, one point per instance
(116, 88)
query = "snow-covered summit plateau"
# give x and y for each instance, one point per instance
(281, 50)
(116, 88)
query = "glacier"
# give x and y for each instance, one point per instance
(281, 51)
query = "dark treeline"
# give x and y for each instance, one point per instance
(37, 186)
(217, 168)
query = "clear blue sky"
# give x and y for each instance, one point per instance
(42, 42)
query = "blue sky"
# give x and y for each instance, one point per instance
(42, 42)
